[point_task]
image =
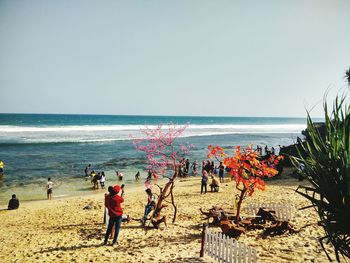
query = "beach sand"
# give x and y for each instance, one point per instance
(60, 230)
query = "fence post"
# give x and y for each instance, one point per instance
(231, 247)
(210, 238)
(245, 252)
(201, 253)
(254, 256)
(226, 248)
(220, 247)
(235, 248)
(216, 245)
(239, 252)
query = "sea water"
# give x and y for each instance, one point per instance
(37, 146)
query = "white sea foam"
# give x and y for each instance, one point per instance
(105, 133)
(8, 128)
(233, 127)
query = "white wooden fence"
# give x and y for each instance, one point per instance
(283, 211)
(227, 250)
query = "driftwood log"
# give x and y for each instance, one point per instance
(279, 228)
(165, 192)
(225, 221)
(229, 228)
(265, 219)
(215, 213)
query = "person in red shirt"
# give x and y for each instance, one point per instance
(113, 203)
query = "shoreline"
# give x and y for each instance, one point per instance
(93, 195)
(86, 192)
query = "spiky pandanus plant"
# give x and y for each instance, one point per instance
(327, 168)
(347, 76)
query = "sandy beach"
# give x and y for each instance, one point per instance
(60, 230)
(133, 92)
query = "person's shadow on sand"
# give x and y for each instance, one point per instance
(189, 260)
(71, 248)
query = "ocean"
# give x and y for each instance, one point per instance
(37, 146)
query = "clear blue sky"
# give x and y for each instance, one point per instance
(231, 58)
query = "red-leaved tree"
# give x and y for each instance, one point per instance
(247, 170)
(163, 157)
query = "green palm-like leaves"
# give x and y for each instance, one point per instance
(327, 168)
(347, 76)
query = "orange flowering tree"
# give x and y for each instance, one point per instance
(247, 170)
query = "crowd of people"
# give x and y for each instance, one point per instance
(211, 173)
(113, 199)
(184, 168)
(210, 170)
(97, 179)
(267, 150)
(185, 165)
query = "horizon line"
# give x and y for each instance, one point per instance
(160, 115)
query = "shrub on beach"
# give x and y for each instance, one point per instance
(327, 168)
(246, 169)
(162, 154)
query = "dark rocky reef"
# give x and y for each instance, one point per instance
(292, 150)
(320, 127)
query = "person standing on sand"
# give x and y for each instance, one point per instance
(113, 202)
(110, 192)
(267, 151)
(102, 180)
(97, 179)
(194, 168)
(187, 165)
(207, 166)
(221, 172)
(204, 182)
(49, 188)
